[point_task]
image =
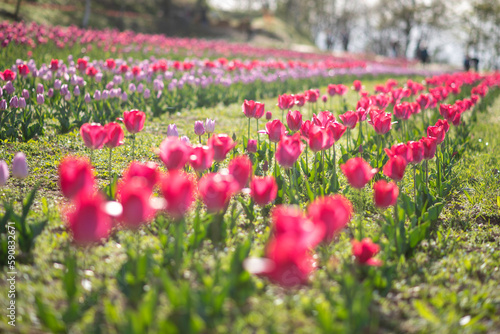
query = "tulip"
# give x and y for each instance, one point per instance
(14, 102)
(216, 189)
(430, 145)
(318, 138)
(201, 157)
(39, 89)
(22, 103)
(178, 189)
(437, 132)
(174, 153)
(263, 190)
(23, 70)
(323, 118)
(417, 151)
(185, 139)
(274, 129)
(147, 171)
(76, 176)
(93, 135)
(210, 125)
(7, 75)
(252, 146)
(241, 170)
(294, 120)
(114, 138)
(172, 131)
(88, 222)
(395, 168)
(19, 166)
(3, 104)
(402, 150)
(221, 145)
(289, 150)
(40, 99)
(364, 251)
(358, 172)
(269, 115)
(199, 129)
(134, 122)
(332, 213)
(382, 123)
(385, 193)
(87, 98)
(135, 197)
(350, 119)
(54, 64)
(4, 173)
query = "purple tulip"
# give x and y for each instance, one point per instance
(67, 97)
(76, 91)
(185, 139)
(40, 99)
(19, 166)
(3, 104)
(57, 84)
(87, 98)
(172, 131)
(97, 95)
(64, 90)
(105, 94)
(147, 93)
(131, 88)
(22, 102)
(269, 115)
(14, 102)
(124, 97)
(199, 129)
(50, 93)
(26, 94)
(98, 77)
(140, 88)
(4, 173)
(40, 89)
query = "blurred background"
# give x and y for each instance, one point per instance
(455, 32)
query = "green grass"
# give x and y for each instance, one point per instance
(451, 276)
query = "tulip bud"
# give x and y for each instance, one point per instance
(269, 115)
(57, 84)
(76, 91)
(40, 89)
(87, 98)
(50, 93)
(19, 166)
(199, 129)
(3, 104)
(185, 139)
(4, 173)
(147, 93)
(40, 99)
(385, 193)
(172, 131)
(26, 94)
(14, 102)
(252, 146)
(22, 102)
(265, 166)
(364, 251)
(263, 190)
(210, 125)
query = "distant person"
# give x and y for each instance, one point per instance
(467, 63)
(424, 55)
(329, 42)
(475, 63)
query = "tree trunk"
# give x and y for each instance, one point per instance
(18, 7)
(86, 15)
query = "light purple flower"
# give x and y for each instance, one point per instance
(4, 173)
(57, 84)
(76, 91)
(40, 89)
(26, 94)
(172, 131)
(97, 95)
(98, 77)
(67, 97)
(64, 90)
(3, 104)
(87, 98)
(210, 125)
(22, 102)
(199, 129)
(19, 166)
(105, 94)
(140, 88)
(131, 88)
(50, 93)
(147, 93)
(186, 140)
(40, 99)
(124, 97)
(9, 88)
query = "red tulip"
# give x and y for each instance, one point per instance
(253, 109)
(300, 100)
(341, 89)
(289, 150)
(333, 212)
(403, 110)
(402, 150)
(87, 221)
(364, 251)
(81, 64)
(54, 64)
(93, 135)
(252, 146)
(323, 118)
(263, 190)
(311, 95)
(216, 190)
(135, 195)
(291, 222)
(274, 129)
(338, 130)
(294, 120)
(437, 132)
(318, 138)
(7, 75)
(358, 172)
(178, 189)
(332, 91)
(148, 171)
(134, 120)
(76, 175)
(201, 157)
(357, 85)
(174, 153)
(304, 129)
(395, 168)
(417, 151)
(444, 123)
(241, 170)
(430, 145)
(350, 119)
(23, 69)
(114, 135)
(110, 63)
(221, 145)
(382, 123)
(385, 193)
(285, 101)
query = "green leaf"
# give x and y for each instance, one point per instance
(47, 316)
(425, 312)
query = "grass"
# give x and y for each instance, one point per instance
(448, 285)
